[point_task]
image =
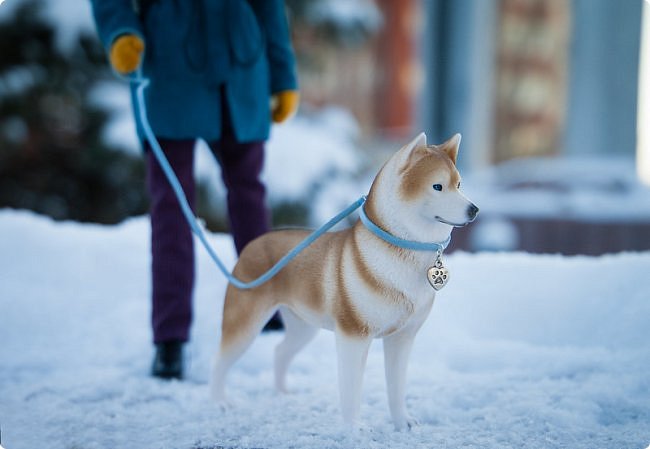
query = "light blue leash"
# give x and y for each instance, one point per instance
(141, 115)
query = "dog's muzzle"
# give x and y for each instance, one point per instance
(472, 212)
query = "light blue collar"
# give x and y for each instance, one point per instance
(399, 242)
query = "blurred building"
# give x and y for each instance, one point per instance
(548, 79)
(519, 79)
(533, 77)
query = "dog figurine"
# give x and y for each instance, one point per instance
(354, 282)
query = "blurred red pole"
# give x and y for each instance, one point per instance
(396, 56)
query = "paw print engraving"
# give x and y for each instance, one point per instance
(438, 277)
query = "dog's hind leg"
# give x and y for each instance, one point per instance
(297, 334)
(244, 316)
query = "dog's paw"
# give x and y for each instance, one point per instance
(281, 388)
(219, 399)
(355, 429)
(406, 422)
(224, 405)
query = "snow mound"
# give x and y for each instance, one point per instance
(520, 351)
(586, 188)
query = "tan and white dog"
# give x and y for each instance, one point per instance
(353, 282)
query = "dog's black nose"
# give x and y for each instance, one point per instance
(472, 211)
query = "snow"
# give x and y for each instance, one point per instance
(303, 156)
(119, 131)
(520, 351)
(587, 188)
(312, 149)
(347, 14)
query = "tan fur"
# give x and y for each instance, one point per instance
(428, 162)
(303, 281)
(362, 269)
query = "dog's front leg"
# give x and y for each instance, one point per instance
(352, 355)
(397, 348)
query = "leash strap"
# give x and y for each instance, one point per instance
(141, 114)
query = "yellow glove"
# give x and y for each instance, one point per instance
(126, 53)
(284, 104)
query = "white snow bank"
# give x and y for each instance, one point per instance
(521, 351)
(308, 150)
(119, 131)
(302, 156)
(591, 188)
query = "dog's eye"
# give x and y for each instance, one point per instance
(437, 187)
(458, 186)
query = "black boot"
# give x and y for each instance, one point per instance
(168, 361)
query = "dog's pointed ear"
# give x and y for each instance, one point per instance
(403, 156)
(451, 147)
(407, 154)
(419, 141)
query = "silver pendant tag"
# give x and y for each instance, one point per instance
(438, 275)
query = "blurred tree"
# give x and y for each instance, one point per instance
(52, 158)
(343, 22)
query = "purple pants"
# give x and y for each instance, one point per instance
(171, 238)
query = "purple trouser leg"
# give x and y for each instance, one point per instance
(241, 166)
(171, 238)
(172, 246)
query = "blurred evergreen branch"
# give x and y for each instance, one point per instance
(52, 157)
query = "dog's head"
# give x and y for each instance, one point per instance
(418, 192)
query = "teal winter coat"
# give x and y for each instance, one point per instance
(196, 47)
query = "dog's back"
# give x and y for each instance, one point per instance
(302, 284)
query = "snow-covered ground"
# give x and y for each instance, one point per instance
(520, 351)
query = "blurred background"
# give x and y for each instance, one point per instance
(551, 97)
